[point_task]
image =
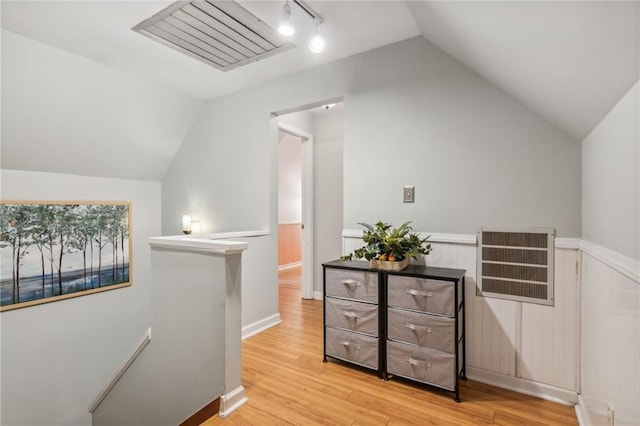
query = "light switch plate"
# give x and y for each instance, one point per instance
(408, 194)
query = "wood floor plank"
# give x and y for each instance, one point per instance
(288, 384)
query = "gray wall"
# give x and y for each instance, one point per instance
(183, 367)
(58, 356)
(475, 154)
(611, 179)
(327, 180)
(412, 116)
(66, 114)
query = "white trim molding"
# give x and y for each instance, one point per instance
(231, 401)
(135, 353)
(225, 235)
(567, 243)
(627, 266)
(469, 239)
(581, 413)
(527, 387)
(261, 325)
(182, 243)
(433, 237)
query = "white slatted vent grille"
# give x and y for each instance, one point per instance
(219, 33)
(516, 264)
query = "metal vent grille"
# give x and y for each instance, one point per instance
(219, 33)
(516, 264)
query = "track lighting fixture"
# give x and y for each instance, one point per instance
(286, 25)
(316, 44)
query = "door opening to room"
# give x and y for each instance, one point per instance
(289, 208)
(309, 194)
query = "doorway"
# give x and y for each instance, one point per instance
(295, 206)
(319, 132)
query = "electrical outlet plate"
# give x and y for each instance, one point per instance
(408, 194)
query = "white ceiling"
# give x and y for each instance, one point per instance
(101, 31)
(568, 61)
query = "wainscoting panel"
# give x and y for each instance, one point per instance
(503, 336)
(289, 244)
(610, 332)
(550, 334)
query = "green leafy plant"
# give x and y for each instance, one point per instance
(383, 242)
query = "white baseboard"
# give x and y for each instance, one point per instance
(260, 325)
(289, 266)
(317, 295)
(527, 387)
(581, 414)
(232, 401)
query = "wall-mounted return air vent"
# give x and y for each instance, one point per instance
(516, 264)
(219, 33)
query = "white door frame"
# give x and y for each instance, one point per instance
(307, 206)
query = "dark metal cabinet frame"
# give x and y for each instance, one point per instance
(454, 276)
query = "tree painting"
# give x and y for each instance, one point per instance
(53, 251)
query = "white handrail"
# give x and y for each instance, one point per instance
(144, 341)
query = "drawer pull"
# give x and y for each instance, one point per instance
(351, 282)
(422, 293)
(414, 361)
(350, 345)
(350, 314)
(415, 327)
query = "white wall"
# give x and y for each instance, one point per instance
(183, 367)
(56, 357)
(289, 179)
(610, 329)
(412, 115)
(66, 114)
(475, 154)
(611, 181)
(327, 180)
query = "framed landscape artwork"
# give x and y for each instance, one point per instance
(51, 251)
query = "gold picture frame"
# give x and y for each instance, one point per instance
(56, 250)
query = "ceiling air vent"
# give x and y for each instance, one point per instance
(220, 33)
(516, 264)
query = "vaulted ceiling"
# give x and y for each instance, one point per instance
(568, 61)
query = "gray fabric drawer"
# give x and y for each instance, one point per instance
(353, 347)
(357, 316)
(422, 364)
(357, 285)
(421, 329)
(422, 294)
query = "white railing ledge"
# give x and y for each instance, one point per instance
(188, 243)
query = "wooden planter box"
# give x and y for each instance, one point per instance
(389, 266)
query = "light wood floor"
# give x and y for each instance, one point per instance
(288, 384)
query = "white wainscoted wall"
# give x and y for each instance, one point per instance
(526, 347)
(610, 355)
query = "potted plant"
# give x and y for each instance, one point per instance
(389, 248)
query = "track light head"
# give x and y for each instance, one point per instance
(286, 26)
(316, 44)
